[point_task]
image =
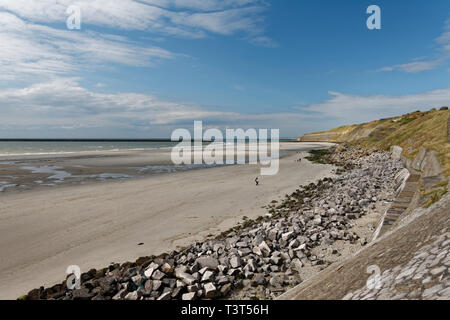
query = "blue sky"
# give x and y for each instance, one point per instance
(140, 69)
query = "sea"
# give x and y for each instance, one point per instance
(46, 147)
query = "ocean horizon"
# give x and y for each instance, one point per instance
(18, 147)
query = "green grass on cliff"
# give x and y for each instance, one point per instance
(410, 131)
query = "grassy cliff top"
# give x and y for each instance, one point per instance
(410, 131)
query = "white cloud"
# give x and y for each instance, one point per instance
(33, 45)
(415, 66)
(63, 102)
(347, 109)
(264, 41)
(182, 18)
(67, 109)
(423, 64)
(38, 50)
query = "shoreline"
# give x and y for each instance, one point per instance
(266, 269)
(28, 173)
(85, 225)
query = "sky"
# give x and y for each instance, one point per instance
(143, 68)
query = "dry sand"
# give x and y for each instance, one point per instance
(42, 232)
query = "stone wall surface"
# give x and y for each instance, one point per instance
(413, 260)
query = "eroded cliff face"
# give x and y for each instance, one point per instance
(341, 134)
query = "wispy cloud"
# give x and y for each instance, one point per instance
(188, 19)
(264, 41)
(347, 108)
(68, 109)
(63, 106)
(39, 50)
(415, 66)
(423, 64)
(34, 41)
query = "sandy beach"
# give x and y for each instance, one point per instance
(43, 231)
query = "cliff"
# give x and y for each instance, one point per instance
(413, 132)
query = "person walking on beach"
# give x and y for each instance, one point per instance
(257, 181)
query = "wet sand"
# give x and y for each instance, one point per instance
(43, 231)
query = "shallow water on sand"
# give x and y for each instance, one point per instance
(47, 170)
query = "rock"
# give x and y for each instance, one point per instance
(286, 236)
(352, 215)
(193, 288)
(437, 271)
(167, 268)
(276, 281)
(233, 272)
(296, 264)
(251, 265)
(242, 244)
(169, 282)
(235, 262)
(210, 291)
(186, 278)
(317, 220)
(264, 249)
(432, 291)
(208, 276)
(225, 289)
(81, 294)
(258, 279)
(275, 260)
(272, 235)
(189, 296)
(208, 262)
(176, 292)
(107, 285)
(203, 270)
(257, 251)
(274, 268)
(165, 296)
(222, 280)
(396, 152)
(294, 243)
(150, 269)
(148, 286)
(223, 268)
(156, 285)
(35, 294)
(120, 295)
(137, 280)
(244, 252)
(132, 296)
(334, 234)
(158, 275)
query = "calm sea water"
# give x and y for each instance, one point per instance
(61, 147)
(8, 148)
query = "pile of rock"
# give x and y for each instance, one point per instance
(267, 253)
